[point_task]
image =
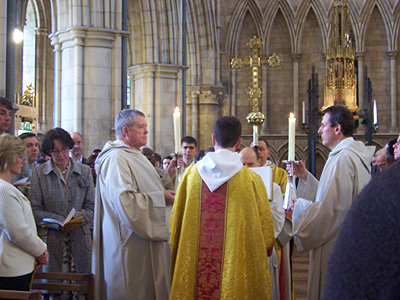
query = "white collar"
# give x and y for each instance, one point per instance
(218, 167)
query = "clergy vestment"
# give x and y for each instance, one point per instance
(221, 229)
(131, 255)
(322, 206)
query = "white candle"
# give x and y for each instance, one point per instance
(255, 135)
(375, 113)
(304, 112)
(177, 129)
(292, 132)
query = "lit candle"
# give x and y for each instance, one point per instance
(177, 129)
(292, 132)
(304, 112)
(255, 135)
(375, 113)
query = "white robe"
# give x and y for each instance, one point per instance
(278, 218)
(317, 221)
(131, 255)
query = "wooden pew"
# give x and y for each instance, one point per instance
(84, 283)
(20, 295)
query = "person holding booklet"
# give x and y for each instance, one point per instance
(20, 247)
(58, 187)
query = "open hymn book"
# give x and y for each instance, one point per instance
(52, 223)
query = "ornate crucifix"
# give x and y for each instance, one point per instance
(255, 117)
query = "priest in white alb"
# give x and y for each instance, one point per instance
(131, 255)
(321, 207)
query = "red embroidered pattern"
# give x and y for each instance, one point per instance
(211, 242)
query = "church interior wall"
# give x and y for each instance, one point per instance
(279, 80)
(217, 30)
(378, 63)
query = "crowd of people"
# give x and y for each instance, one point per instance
(206, 224)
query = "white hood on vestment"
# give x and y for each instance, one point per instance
(218, 167)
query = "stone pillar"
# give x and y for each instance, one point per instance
(83, 58)
(156, 95)
(233, 103)
(57, 82)
(78, 37)
(209, 105)
(360, 80)
(393, 92)
(192, 111)
(41, 74)
(264, 100)
(297, 112)
(3, 47)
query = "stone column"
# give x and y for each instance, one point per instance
(156, 95)
(85, 60)
(297, 112)
(264, 100)
(3, 47)
(360, 80)
(393, 98)
(195, 114)
(233, 103)
(78, 36)
(209, 105)
(42, 62)
(57, 81)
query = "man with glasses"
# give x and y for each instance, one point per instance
(133, 205)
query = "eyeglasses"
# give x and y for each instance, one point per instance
(56, 151)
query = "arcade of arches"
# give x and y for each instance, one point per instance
(78, 54)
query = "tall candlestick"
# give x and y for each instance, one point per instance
(177, 129)
(304, 112)
(375, 113)
(292, 132)
(255, 135)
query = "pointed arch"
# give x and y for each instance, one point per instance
(322, 20)
(269, 19)
(237, 19)
(365, 19)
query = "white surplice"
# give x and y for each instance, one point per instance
(317, 221)
(131, 255)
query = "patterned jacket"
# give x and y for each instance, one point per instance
(48, 201)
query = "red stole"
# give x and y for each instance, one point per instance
(211, 242)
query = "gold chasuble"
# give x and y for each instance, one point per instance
(219, 240)
(279, 176)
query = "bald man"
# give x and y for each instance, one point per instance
(250, 159)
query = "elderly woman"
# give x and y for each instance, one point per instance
(58, 186)
(20, 246)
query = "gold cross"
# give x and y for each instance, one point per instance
(255, 62)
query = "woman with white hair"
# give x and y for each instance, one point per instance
(20, 247)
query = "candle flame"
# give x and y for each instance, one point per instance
(177, 109)
(291, 115)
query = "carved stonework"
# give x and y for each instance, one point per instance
(210, 97)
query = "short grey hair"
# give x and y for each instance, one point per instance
(126, 117)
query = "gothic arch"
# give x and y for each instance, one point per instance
(237, 18)
(269, 18)
(365, 17)
(318, 11)
(202, 43)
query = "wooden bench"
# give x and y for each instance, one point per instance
(84, 283)
(20, 295)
